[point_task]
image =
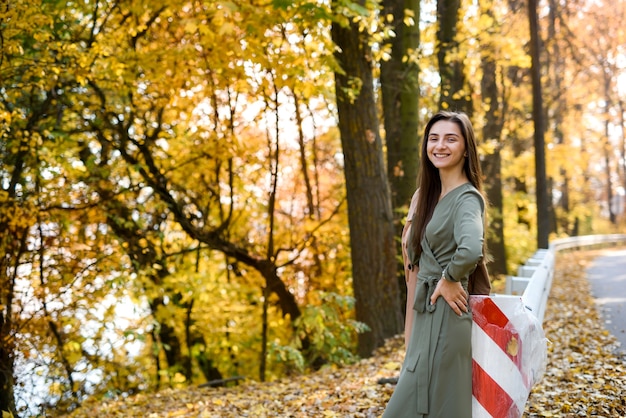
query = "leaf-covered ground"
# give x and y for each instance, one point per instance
(586, 372)
(584, 377)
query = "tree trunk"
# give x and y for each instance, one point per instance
(400, 97)
(399, 78)
(622, 153)
(607, 160)
(492, 131)
(543, 214)
(12, 251)
(7, 362)
(313, 211)
(13, 245)
(454, 94)
(556, 69)
(264, 326)
(370, 219)
(7, 381)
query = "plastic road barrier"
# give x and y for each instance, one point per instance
(509, 355)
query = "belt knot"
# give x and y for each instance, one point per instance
(425, 289)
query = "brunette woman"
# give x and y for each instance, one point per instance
(442, 245)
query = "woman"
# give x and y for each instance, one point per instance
(444, 243)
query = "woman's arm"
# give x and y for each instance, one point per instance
(411, 283)
(468, 237)
(410, 275)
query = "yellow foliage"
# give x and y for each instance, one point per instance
(169, 120)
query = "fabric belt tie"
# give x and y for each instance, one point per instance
(423, 293)
(427, 325)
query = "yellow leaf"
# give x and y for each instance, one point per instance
(392, 365)
(191, 27)
(226, 28)
(512, 347)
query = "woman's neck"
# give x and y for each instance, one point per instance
(450, 181)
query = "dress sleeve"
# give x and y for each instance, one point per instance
(468, 236)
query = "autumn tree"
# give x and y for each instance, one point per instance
(143, 126)
(27, 114)
(541, 185)
(453, 89)
(173, 181)
(603, 44)
(399, 79)
(555, 65)
(122, 130)
(495, 104)
(370, 217)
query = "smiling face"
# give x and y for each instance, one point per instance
(446, 146)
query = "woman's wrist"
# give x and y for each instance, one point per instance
(445, 275)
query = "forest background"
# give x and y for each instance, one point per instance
(191, 191)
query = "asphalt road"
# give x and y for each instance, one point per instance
(607, 276)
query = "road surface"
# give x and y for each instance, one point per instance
(607, 276)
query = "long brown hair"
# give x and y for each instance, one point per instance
(429, 182)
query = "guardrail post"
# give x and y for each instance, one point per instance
(539, 270)
(516, 285)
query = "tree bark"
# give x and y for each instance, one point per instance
(608, 149)
(13, 250)
(7, 382)
(556, 69)
(399, 79)
(400, 98)
(370, 218)
(622, 152)
(453, 88)
(13, 246)
(541, 187)
(492, 131)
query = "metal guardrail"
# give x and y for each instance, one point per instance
(534, 278)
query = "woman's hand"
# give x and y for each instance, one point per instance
(453, 293)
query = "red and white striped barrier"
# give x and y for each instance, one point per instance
(509, 352)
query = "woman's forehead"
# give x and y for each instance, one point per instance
(445, 127)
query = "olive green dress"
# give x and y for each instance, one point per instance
(436, 377)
